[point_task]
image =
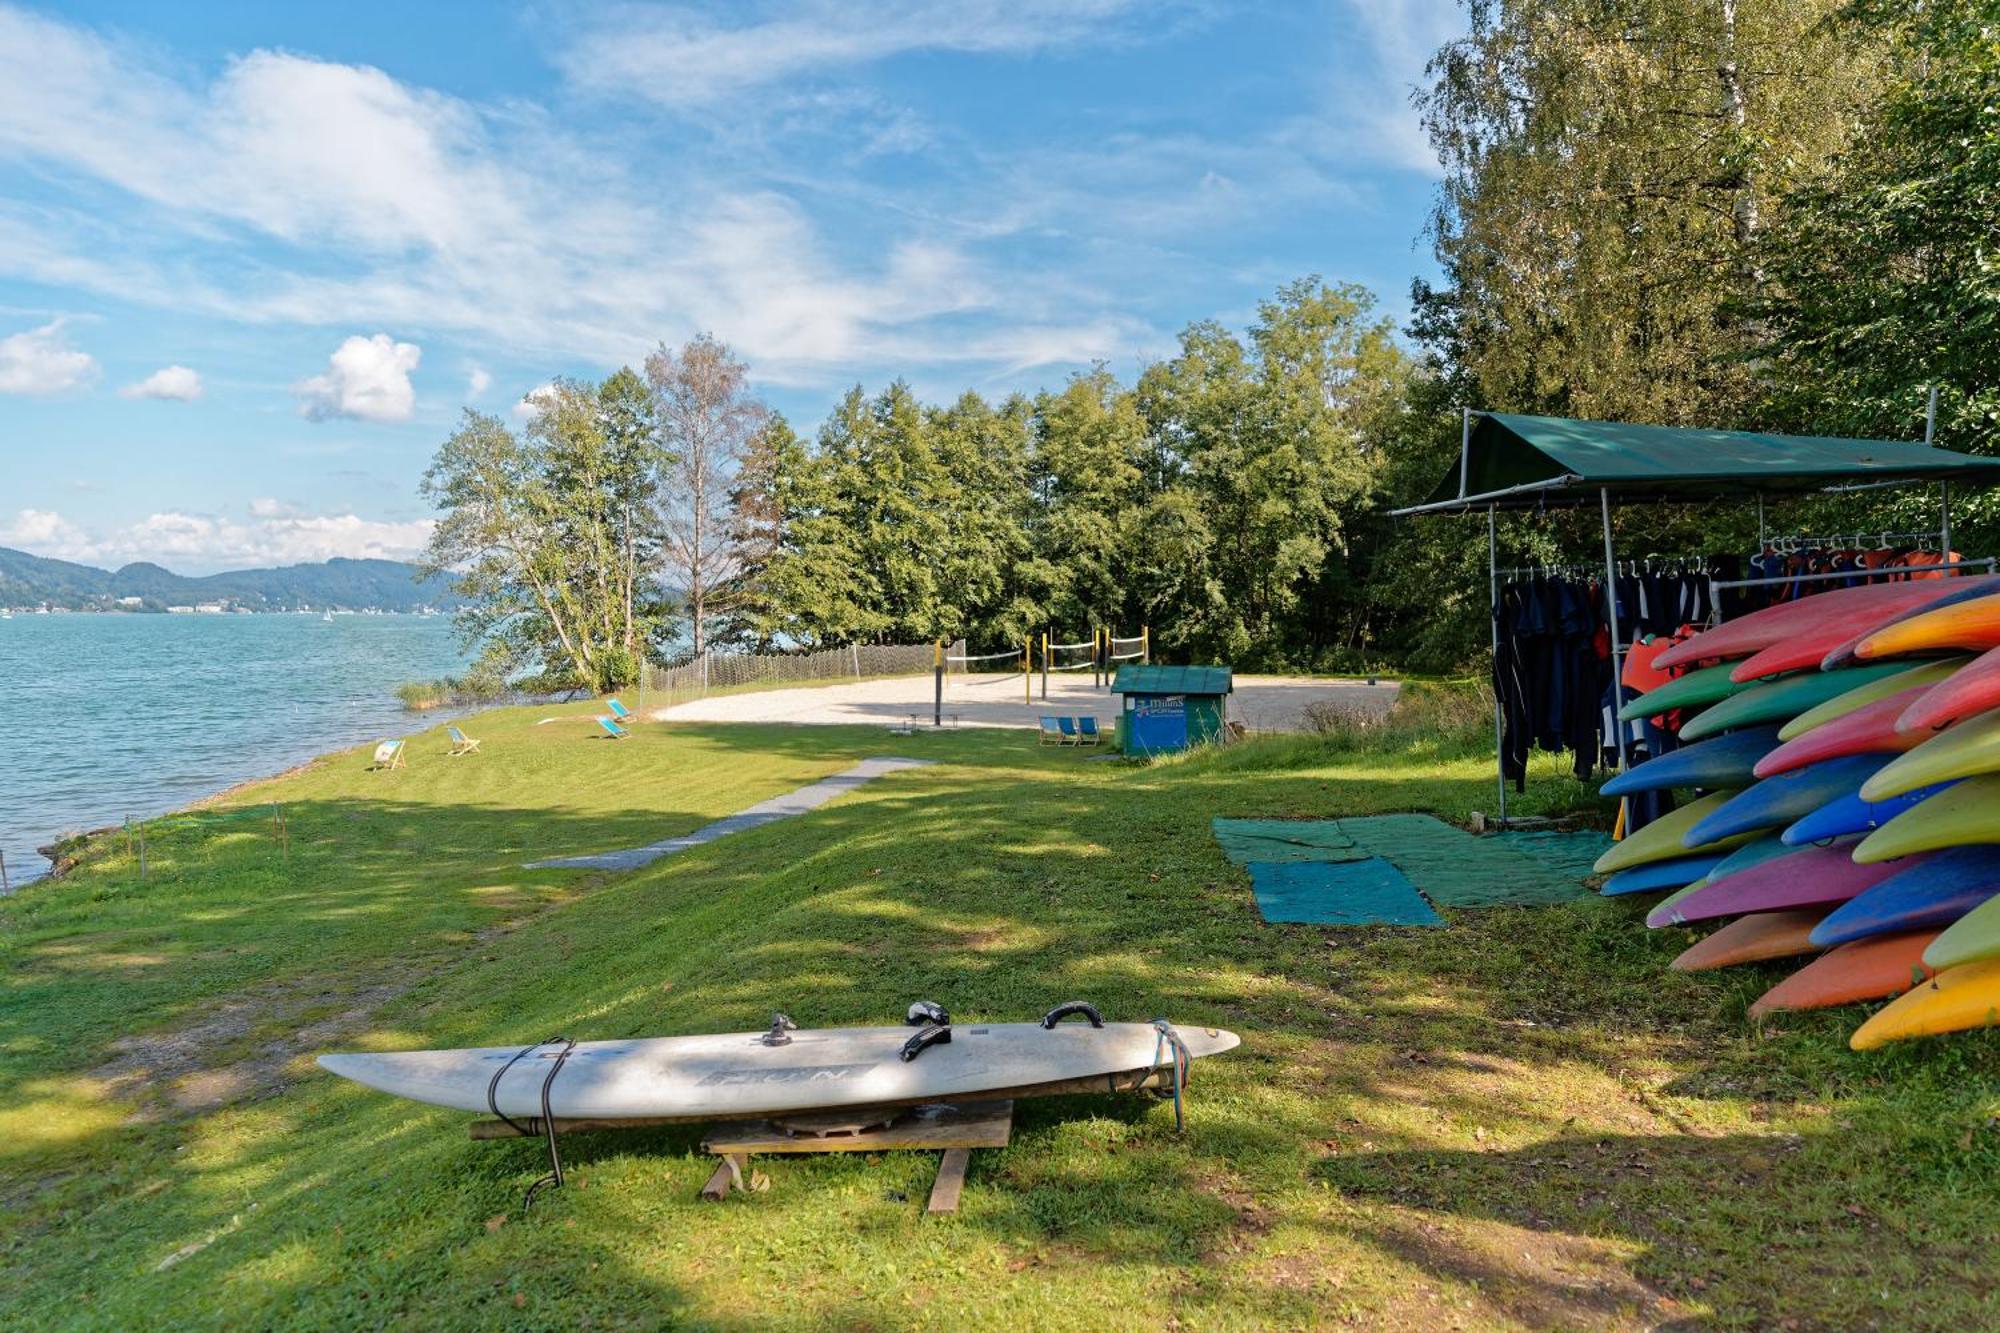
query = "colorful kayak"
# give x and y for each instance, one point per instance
(1803, 652)
(1724, 761)
(1675, 874)
(1969, 691)
(1854, 973)
(1965, 751)
(1779, 701)
(1860, 609)
(1661, 839)
(1961, 590)
(1867, 730)
(1696, 689)
(1929, 675)
(1974, 936)
(1757, 938)
(1930, 895)
(1812, 877)
(1954, 1000)
(1967, 813)
(1779, 802)
(1851, 815)
(1971, 622)
(1753, 853)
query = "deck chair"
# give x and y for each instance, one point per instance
(461, 743)
(1087, 732)
(388, 754)
(620, 714)
(612, 731)
(1051, 733)
(1070, 735)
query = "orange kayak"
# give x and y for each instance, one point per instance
(1867, 730)
(1973, 624)
(1973, 688)
(1753, 939)
(1870, 969)
(1858, 610)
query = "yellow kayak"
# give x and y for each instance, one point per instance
(1930, 673)
(1661, 839)
(1965, 751)
(1952, 1001)
(1959, 816)
(1970, 623)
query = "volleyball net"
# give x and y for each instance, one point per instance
(1070, 656)
(984, 668)
(1134, 649)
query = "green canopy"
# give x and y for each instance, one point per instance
(1135, 679)
(1526, 462)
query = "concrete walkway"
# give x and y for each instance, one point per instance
(806, 798)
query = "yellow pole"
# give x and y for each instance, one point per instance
(1145, 645)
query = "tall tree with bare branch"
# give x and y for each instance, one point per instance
(707, 418)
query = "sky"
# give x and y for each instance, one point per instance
(256, 259)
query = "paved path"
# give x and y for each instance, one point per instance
(806, 798)
(1261, 703)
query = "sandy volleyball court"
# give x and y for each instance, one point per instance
(1261, 703)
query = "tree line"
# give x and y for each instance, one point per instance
(1691, 212)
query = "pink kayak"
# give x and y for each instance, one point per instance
(1870, 729)
(1974, 688)
(1808, 878)
(1858, 610)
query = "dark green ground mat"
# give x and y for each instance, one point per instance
(1368, 892)
(1447, 865)
(1568, 852)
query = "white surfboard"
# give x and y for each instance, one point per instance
(743, 1074)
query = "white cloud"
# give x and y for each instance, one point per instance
(366, 378)
(173, 383)
(41, 361)
(199, 543)
(477, 381)
(533, 401)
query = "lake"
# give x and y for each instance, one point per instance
(105, 716)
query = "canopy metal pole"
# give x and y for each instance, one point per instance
(1611, 601)
(1493, 593)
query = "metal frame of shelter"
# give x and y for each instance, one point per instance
(1586, 461)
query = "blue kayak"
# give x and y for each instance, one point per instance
(1788, 797)
(1725, 761)
(1852, 814)
(1654, 876)
(1937, 892)
(1750, 854)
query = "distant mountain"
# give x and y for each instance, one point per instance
(353, 585)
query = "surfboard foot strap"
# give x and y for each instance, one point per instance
(548, 1122)
(1167, 1044)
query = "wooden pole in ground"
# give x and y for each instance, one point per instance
(1028, 671)
(937, 698)
(4, 890)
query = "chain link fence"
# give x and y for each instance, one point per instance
(716, 673)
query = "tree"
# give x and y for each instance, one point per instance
(706, 419)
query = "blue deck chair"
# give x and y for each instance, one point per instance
(461, 744)
(1087, 732)
(612, 731)
(1070, 735)
(1051, 733)
(620, 713)
(388, 754)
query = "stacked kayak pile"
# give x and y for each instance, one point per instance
(1845, 752)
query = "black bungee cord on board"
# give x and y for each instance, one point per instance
(555, 1175)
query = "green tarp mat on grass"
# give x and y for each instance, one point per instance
(1369, 892)
(1447, 865)
(1571, 852)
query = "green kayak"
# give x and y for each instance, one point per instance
(1697, 689)
(1784, 699)
(1974, 936)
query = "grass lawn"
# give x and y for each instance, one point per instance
(1525, 1119)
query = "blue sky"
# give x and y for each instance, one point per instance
(254, 259)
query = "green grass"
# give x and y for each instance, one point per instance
(1523, 1120)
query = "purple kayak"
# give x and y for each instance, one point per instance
(1811, 877)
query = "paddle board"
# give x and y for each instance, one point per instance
(1954, 1000)
(1972, 622)
(1661, 839)
(1724, 761)
(1931, 895)
(1852, 974)
(1696, 689)
(1860, 608)
(1870, 729)
(1779, 701)
(1850, 815)
(1813, 877)
(1972, 689)
(739, 1074)
(1674, 874)
(1966, 750)
(1929, 675)
(1974, 936)
(1756, 938)
(1778, 801)
(1965, 813)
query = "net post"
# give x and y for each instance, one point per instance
(1145, 645)
(1045, 666)
(1028, 671)
(937, 698)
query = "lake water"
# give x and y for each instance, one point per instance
(104, 716)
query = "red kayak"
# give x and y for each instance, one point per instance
(1857, 610)
(1838, 639)
(1870, 729)
(1973, 688)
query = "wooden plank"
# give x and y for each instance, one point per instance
(950, 1180)
(952, 1127)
